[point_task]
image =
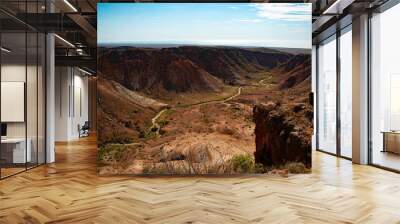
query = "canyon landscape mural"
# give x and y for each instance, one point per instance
(191, 93)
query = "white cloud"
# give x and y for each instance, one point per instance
(250, 20)
(284, 11)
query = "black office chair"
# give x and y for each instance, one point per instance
(84, 130)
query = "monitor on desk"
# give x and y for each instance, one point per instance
(3, 130)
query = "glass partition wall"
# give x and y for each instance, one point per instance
(22, 98)
(345, 91)
(334, 93)
(327, 95)
(385, 89)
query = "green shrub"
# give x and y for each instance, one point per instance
(296, 168)
(259, 168)
(161, 131)
(163, 123)
(243, 163)
(119, 138)
(116, 153)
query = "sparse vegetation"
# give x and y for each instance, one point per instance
(296, 168)
(149, 134)
(163, 123)
(119, 138)
(161, 131)
(116, 153)
(190, 165)
(290, 167)
(243, 163)
(225, 130)
(259, 168)
(185, 167)
(196, 160)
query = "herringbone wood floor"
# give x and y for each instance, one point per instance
(70, 191)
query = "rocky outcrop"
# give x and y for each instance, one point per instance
(281, 135)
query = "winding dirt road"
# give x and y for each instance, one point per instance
(155, 118)
(239, 91)
(154, 122)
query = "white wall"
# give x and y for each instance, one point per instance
(62, 81)
(71, 103)
(14, 72)
(17, 72)
(314, 90)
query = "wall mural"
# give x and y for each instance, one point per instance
(204, 88)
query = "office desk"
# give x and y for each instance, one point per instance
(391, 141)
(13, 150)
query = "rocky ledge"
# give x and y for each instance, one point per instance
(283, 134)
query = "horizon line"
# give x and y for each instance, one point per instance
(187, 44)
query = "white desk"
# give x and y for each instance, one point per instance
(18, 149)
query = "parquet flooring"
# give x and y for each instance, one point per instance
(70, 191)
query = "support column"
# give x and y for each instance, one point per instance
(360, 90)
(50, 92)
(50, 99)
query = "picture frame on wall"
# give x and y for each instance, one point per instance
(204, 88)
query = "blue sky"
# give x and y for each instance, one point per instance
(233, 24)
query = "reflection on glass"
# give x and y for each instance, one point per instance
(14, 153)
(327, 96)
(31, 101)
(346, 94)
(385, 89)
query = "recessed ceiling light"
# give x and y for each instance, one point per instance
(70, 5)
(86, 72)
(5, 50)
(64, 40)
(338, 6)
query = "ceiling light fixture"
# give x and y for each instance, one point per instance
(84, 71)
(70, 5)
(64, 40)
(5, 50)
(79, 51)
(337, 7)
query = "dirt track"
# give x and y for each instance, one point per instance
(154, 119)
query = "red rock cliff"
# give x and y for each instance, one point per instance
(280, 137)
